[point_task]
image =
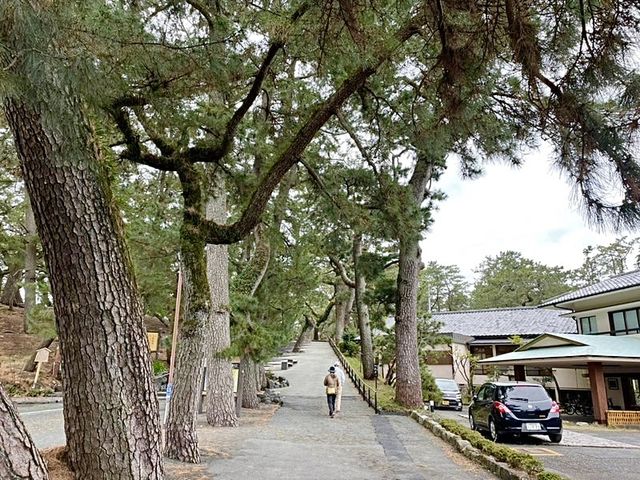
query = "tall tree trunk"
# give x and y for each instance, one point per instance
(342, 295)
(181, 436)
(249, 384)
(307, 329)
(180, 430)
(109, 397)
(349, 307)
(364, 326)
(221, 411)
(19, 458)
(30, 262)
(408, 382)
(11, 292)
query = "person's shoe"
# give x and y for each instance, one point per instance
(331, 415)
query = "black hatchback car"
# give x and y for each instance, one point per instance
(515, 408)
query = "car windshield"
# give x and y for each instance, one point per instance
(444, 384)
(524, 393)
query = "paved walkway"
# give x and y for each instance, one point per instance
(301, 441)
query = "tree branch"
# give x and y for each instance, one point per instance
(289, 156)
(216, 153)
(134, 150)
(341, 271)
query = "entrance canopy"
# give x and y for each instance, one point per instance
(573, 351)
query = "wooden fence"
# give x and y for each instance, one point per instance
(622, 417)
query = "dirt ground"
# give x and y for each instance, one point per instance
(15, 349)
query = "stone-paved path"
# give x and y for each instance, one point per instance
(300, 441)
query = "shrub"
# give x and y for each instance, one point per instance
(349, 346)
(430, 390)
(502, 453)
(159, 367)
(550, 476)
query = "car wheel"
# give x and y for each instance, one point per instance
(472, 423)
(493, 431)
(459, 408)
(555, 437)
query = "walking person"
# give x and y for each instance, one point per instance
(331, 383)
(343, 378)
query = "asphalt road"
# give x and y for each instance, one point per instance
(584, 454)
(45, 423)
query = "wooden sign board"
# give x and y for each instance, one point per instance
(42, 355)
(153, 338)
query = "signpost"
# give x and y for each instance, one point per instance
(42, 356)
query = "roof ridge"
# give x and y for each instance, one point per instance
(496, 309)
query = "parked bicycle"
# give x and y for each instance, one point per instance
(577, 407)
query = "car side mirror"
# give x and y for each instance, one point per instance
(475, 398)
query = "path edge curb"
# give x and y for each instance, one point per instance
(500, 469)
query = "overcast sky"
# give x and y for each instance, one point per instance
(527, 209)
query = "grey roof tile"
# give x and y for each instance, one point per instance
(505, 322)
(619, 282)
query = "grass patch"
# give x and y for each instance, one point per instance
(386, 393)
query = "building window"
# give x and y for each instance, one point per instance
(481, 352)
(624, 322)
(588, 325)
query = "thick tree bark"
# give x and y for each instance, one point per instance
(364, 326)
(408, 382)
(30, 263)
(342, 296)
(249, 382)
(19, 457)
(109, 397)
(180, 430)
(221, 411)
(307, 330)
(181, 436)
(11, 291)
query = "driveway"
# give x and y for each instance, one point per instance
(585, 453)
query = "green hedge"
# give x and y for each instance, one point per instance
(502, 453)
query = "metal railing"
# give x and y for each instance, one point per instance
(369, 395)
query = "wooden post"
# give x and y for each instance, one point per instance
(598, 391)
(42, 356)
(174, 347)
(519, 373)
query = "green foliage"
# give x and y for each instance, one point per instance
(159, 367)
(502, 453)
(603, 261)
(550, 476)
(442, 288)
(510, 280)
(349, 346)
(42, 322)
(430, 390)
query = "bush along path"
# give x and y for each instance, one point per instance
(506, 463)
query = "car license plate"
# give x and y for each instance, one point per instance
(445, 402)
(531, 427)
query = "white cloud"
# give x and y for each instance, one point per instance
(529, 209)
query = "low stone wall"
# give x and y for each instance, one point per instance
(499, 469)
